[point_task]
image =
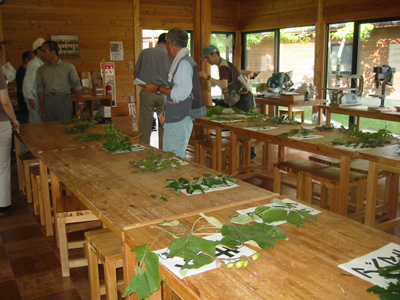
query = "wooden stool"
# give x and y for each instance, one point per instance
(333, 162)
(28, 160)
(71, 216)
(210, 146)
(104, 246)
(295, 112)
(329, 178)
(298, 168)
(195, 139)
(36, 192)
(246, 145)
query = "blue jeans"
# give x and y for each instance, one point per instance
(177, 135)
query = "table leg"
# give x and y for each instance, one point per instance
(290, 112)
(393, 194)
(328, 118)
(218, 143)
(341, 206)
(55, 195)
(233, 158)
(320, 115)
(46, 198)
(371, 194)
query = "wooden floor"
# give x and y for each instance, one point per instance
(29, 261)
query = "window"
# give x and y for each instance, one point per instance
(357, 48)
(225, 42)
(150, 37)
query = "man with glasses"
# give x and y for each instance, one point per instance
(54, 81)
(29, 84)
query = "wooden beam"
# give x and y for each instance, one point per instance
(320, 49)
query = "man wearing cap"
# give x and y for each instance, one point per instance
(230, 81)
(29, 85)
(54, 81)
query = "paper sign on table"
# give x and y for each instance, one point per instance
(366, 267)
(228, 185)
(260, 128)
(174, 264)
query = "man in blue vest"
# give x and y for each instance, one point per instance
(178, 122)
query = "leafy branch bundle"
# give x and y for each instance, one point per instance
(155, 162)
(225, 119)
(198, 252)
(256, 119)
(281, 120)
(115, 141)
(324, 127)
(293, 132)
(90, 137)
(218, 110)
(197, 183)
(393, 290)
(80, 127)
(364, 139)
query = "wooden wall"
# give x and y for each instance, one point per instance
(96, 22)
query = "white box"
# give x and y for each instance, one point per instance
(105, 111)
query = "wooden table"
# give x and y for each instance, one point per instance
(360, 112)
(386, 159)
(120, 199)
(304, 267)
(321, 146)
(49, 136)
(104, 100)
(271, 103)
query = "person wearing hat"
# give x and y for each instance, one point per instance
(237, 92)
(29, 85)
(54, 81)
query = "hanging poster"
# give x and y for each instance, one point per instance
(116, 51)
(68, 44)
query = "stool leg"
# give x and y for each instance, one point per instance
(324, 200)
(308, 189)
(41, 204)
(300, 185)
(62, 240)
(35, 195)
(93, 273)
(110, 273)
(28, 189)
(302, 117)
(277, 180)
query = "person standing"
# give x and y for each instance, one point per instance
(231, 82)
(29, 86)
(152, 66)
(54, 81)
(178, 122)
(27, 56)
(7, 114)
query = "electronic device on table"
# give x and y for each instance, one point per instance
(383, 77)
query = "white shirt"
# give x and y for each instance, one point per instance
(29, 85)
(182, 81)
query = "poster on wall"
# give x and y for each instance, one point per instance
(68, 44)
(116, 51)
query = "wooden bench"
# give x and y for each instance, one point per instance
(28, 160)
(329, 179)
(297, 168)
(295, 112)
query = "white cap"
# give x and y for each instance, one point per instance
(38, 43)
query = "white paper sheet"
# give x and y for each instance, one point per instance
(366, 267)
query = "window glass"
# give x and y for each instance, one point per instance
(380, 47)
(225, 44)
(259, 54)
(150, 37)
(292, 42)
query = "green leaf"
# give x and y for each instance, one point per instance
(242, 219)
(189, 249)
(170, 223)
(153, 196)
(307, 215)
(295, 218)
(274, 214)
(264, 235)
(213, 221)
(147, 277)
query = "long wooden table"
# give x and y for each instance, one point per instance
(304, 267)
(360, 112)
(120, 199)
(321, 146)
(49, 136)
(387, 159)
